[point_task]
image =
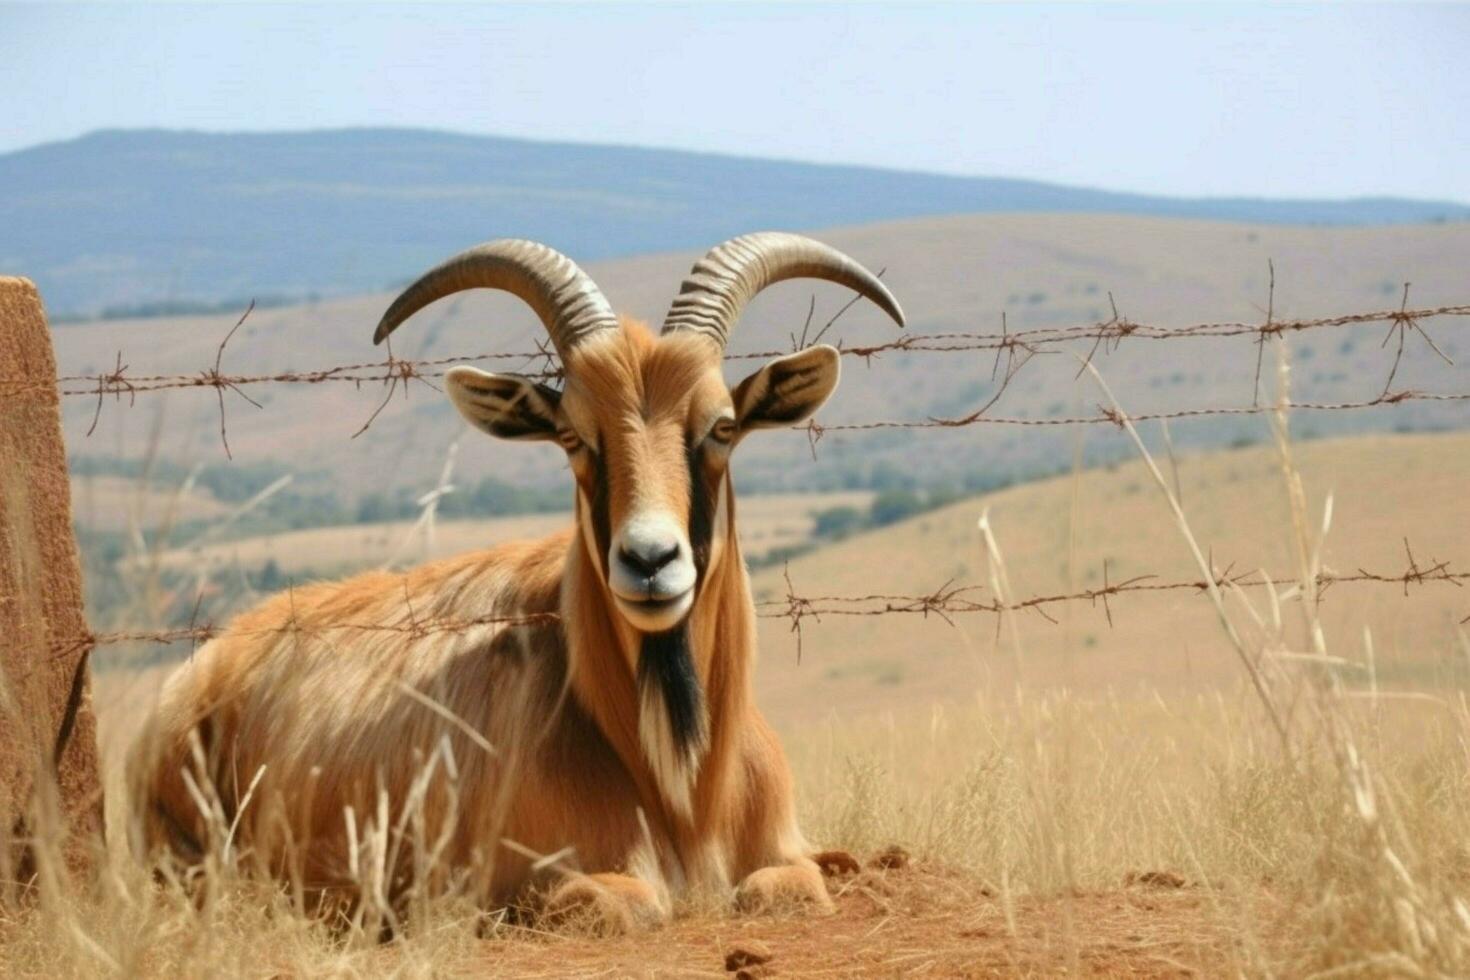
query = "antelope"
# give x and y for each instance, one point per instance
(616, 726)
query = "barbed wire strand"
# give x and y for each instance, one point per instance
(1018, 348)
(945, 602)
(119, 382)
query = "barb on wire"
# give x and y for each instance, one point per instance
(550, 369)
(797, 608)
(1013, 367)
(940, 602)
(1268, 329)
(398, 372)
(1402, 323)
(1108, 589)
(814, 432)
(219, 382)
(1437, 571)
(1115, 330)
(116, 384)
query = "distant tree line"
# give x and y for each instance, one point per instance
(183, 307)
(309, 500)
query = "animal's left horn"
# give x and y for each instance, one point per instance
(728, 277)
(565, 298)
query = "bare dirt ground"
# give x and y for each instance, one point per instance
(919, 922)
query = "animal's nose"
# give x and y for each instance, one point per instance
(646, 558)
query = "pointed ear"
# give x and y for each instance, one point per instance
(788, 390)
(504, 405)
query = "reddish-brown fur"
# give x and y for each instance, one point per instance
(317, 708)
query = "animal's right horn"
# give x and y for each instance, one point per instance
(565, 298)
(720, 284)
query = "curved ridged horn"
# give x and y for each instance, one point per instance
(563, 296)
(728, 277)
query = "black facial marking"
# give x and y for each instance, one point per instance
(702, 501)
(667, 663)
(601, 510)
(781, 403)
(525, 421)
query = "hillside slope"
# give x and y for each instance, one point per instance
(951, 274)
(1055, 536)
(128, 217)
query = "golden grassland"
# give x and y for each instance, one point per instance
(1057, 534)
(1256, 782)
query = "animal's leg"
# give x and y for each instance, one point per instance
(783, 876)
(606, 904)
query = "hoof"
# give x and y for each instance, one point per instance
(605, 905)
(785, 887)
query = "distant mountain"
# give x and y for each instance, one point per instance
(154, 220)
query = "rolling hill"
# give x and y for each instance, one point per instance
(1055, 536)
(951, 274)
(130, 218)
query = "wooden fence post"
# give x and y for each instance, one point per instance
(47, 728)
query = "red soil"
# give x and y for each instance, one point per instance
(918, 922)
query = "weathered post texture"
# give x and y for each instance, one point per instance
(46, 721)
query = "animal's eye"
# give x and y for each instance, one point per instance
(723, 431)
(569, 440)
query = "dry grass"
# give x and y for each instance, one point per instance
(1026, 820)
(1141, 831)
(1057, 534)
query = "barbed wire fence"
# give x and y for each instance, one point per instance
(1013, 351)
(946, 602)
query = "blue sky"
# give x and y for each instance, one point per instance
(1315, 100)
